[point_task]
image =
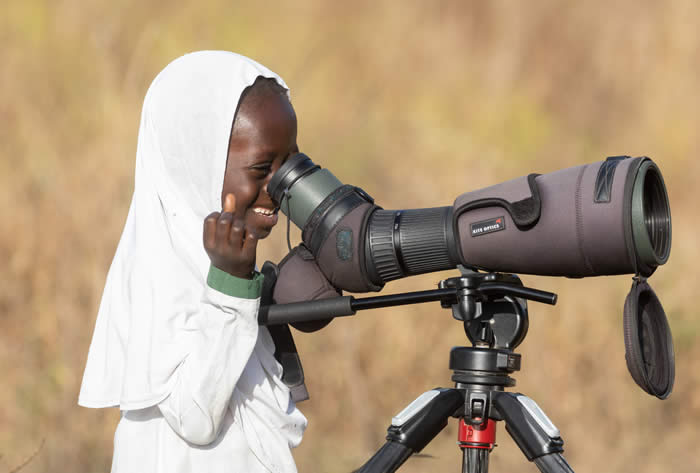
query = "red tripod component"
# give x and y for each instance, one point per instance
(477, 436)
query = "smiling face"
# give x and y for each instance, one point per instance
(264, 134)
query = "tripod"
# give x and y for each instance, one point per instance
(493, 309)
(496, 321)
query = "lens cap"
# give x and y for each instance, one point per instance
(648, 342)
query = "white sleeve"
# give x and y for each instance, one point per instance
(224, 342)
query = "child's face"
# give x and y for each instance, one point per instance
(264, 135)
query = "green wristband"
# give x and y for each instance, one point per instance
(233, 286)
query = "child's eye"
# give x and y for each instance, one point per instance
(262, 170)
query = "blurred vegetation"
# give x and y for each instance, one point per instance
(416, 102)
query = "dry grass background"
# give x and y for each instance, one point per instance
(416, 102)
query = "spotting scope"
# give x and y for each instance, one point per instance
(605, 218)
(609, 217)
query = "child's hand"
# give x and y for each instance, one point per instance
(230, 247)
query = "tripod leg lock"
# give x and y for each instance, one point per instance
(413, 428)
(424, 418)
(529, 426)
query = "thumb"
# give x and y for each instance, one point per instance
(230, 203)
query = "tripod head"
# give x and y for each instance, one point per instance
(493, 316)
(493, 309)
(475, 298)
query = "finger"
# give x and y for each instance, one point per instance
(237, 235)
(223, 227)
(209, 234)
(230, 203)
(250, 245)
(238, 217)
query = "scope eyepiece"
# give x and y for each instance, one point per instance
(293, 169)
(299, 186)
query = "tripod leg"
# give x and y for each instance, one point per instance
(476, 442)
(388, 459)
(535, 434)
(475, 460)
(553, 463)
(413, 428)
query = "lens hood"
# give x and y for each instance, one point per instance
(648, 343)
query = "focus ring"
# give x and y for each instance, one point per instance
(381, 245)
(424, 242)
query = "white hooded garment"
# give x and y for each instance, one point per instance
(194, 375)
